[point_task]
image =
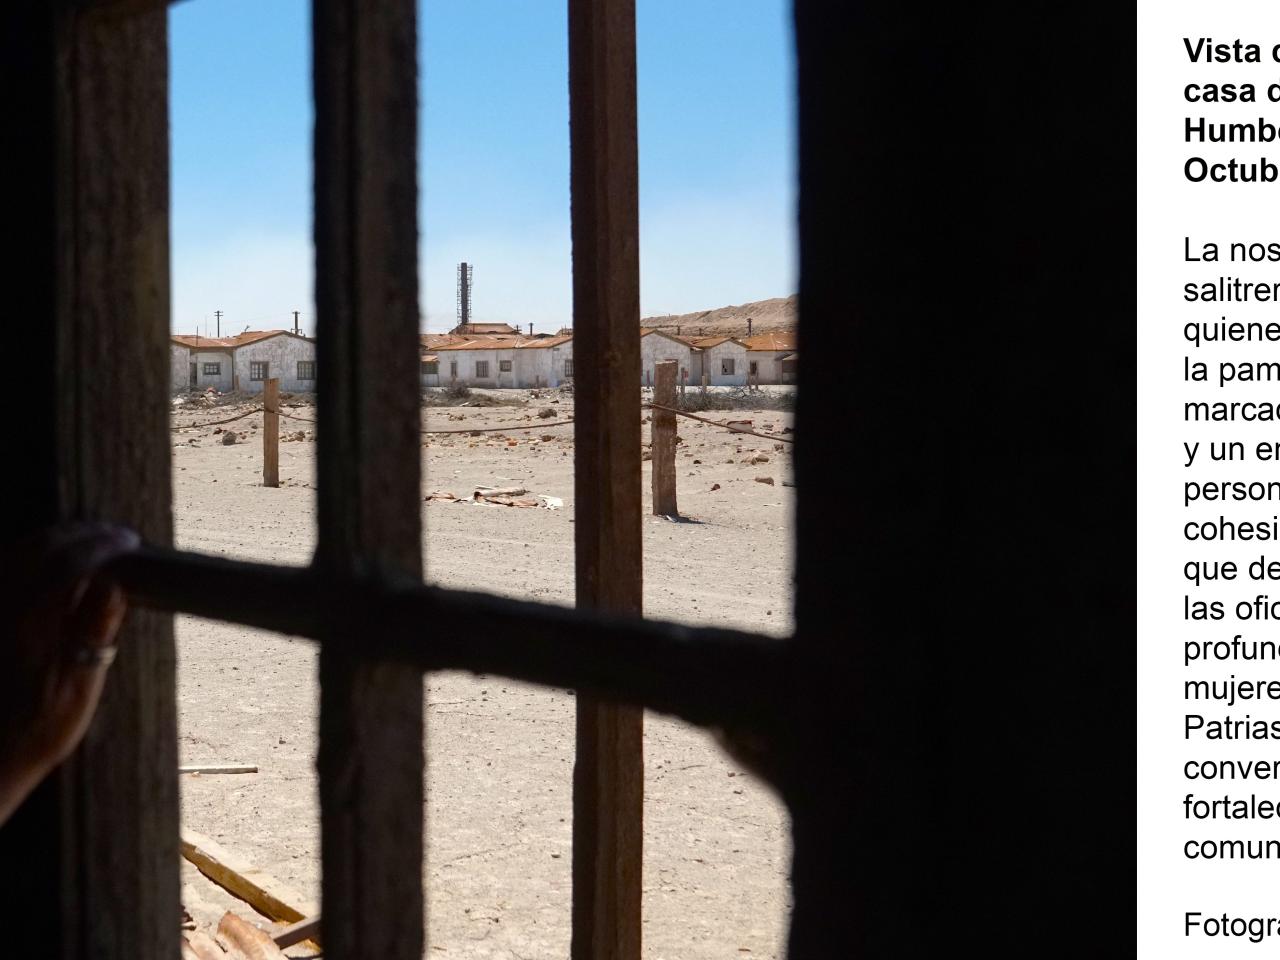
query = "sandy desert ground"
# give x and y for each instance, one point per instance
(500, 754)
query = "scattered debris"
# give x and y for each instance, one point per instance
(546, 413)
(502, 497)
(487, 493)
(239, 938)
(260, 890)
(759, 458)
(714, 487)
(229, 437)
(199, 768)
(768, 480)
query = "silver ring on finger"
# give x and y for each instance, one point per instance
(87, 656)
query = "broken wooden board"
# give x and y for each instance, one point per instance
(308, 929)
(218, 768)
(266, 894)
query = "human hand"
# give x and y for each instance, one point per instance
(62, 614)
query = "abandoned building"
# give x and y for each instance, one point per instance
(495, 360)
(243, 362)
(722, 359)
(656, 345)
(771, 357)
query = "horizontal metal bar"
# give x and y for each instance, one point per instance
(705, 675)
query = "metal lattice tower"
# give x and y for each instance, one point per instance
(464, 293)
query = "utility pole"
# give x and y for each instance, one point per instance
(218, 318)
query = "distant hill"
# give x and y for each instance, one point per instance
(766, 315)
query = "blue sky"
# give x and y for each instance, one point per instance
(716, 158)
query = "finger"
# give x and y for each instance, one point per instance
(96, 619)
(90, 548)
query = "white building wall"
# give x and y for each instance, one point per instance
(530, 367)
(282, 354)
(545, 366)
(220, 381)
(712, 358)
(769, 363)
(655, 347)
(430, 379)
(466, 374)
(179, 369)
(180, 360)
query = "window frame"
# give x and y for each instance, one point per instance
(216, 370)
(259, 371)
(310, 366)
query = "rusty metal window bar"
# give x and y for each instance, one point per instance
(504, 366)
(482, 369)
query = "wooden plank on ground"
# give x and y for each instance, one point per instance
(269, 896)
(213, 768)
(608, 784)
(368, 497)
(308, 929)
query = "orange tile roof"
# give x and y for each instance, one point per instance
(543, 343)
(706, 343)
(202, 343)
(229, 343)
(430, 341)
(775, 340)
(491, 342)
(501, 342)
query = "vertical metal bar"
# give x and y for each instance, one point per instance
(371, 738)
(608, 786)
(88, 868)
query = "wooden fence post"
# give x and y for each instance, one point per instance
(271, 433)
(663, 426)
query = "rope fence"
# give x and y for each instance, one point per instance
(502, 429)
